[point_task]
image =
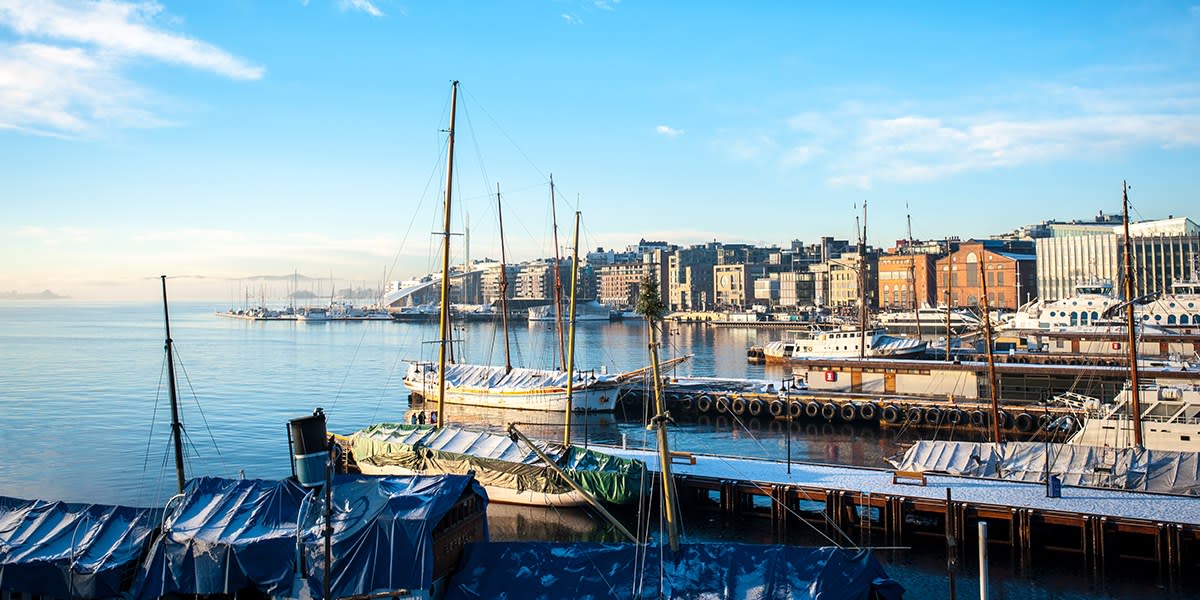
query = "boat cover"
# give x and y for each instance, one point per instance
(228, 535)
(65, 550)
(1158, 471)
(498, 460)
(545, 570)
(382, 533)
(495, 379)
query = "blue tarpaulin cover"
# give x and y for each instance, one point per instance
(232, 534)
(382, 532)
(226, 535)
(67, 550)
(538, 570)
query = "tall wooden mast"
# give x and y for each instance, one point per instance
(503, 284)
(444, 321)
(176, 425)
(1135, 400)
(987, 340)
(558, 323)
(862, 286)
(912, 272)
(571, 322)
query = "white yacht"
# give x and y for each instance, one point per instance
(313, 315)
(1089, 304)
(1170, 418)
(932, 320)
(1179, 310)
(585, 311)
(842, 344)
(516, 388)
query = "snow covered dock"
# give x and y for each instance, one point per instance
(1154, 527)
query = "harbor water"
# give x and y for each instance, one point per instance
(86, 415)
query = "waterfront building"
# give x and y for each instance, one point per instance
(619, 285)
(766, 289)
(489, 282)
(903, 276)
(1163, 252)
(838, 280)
(1011, 273)
(689, 277)
(733, 284)
(797, 288)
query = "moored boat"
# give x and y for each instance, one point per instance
(844, 343)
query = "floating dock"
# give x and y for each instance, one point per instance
(885, 507)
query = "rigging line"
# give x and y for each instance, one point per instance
(349, 368)
(503, 132)
(203, 418)
(412, 221)
(153, 419)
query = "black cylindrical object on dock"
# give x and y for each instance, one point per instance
(310, 448)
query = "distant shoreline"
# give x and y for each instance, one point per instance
(42, 295)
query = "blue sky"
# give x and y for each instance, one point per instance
(230, 138)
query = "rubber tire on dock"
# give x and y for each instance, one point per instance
(933, 416)
(849, 412)
(737, 406)
(777, 408)
(868, 411)
(956, 416)
(829, 411)
(704, 404)
(979, 418)
(1044, 420)
(890, 413)
(913, 414)
(687, 403)
(722, 405)
(812, 410)
(755, 407)
(1025, 422)
(1004, 420)
(796, 409)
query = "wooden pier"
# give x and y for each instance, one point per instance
(1096, 526)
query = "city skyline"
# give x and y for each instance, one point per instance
(223, 140)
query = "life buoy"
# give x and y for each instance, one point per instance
(755, 407)
(868, 411)
(829, 411)
(849, 412)
(812, 410)
(737, 406)
(704, 403)
(776, 408)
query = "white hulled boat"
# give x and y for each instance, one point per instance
(1090, 303)
(585, 311)
(842, 344)
(932, 320)
(518, 388)
(1170, 418)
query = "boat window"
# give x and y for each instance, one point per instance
(1074, 318)
(1183, 319)
(1095, 315)
(1170, 319)
(1083, 318)
(1157, 317)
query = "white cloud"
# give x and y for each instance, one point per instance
(126, 28)
(571, 19)
(800, 155)
(360, 5)
(668, 131)
(66, 76)
(604, 5)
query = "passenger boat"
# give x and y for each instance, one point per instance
(585, 311)
(1170, 417)
(1089, 303)
(932, 321)
(845, 343)
(1178, 311)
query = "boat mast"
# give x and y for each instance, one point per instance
(987, 340)
(650, 305)
(558, 324)
(1136, 403)
(912, 271)
(176, 426)
(503, 284)
(444, 321)
(571, 346)
(949, 285)
(862, 286)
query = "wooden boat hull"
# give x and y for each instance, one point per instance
(495, 493)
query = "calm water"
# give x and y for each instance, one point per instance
(86, 417)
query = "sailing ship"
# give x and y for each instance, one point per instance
(522, 472)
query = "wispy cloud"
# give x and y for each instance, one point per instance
(361, 5)
(865, 141)
(668, 131)
(66, 75)
(605, 4)
(571, 19)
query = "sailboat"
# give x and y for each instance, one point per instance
(511, 468)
